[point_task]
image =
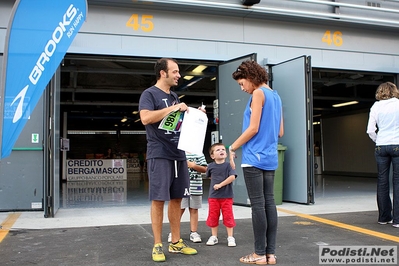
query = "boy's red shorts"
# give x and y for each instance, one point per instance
(217, 206)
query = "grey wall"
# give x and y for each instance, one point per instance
(346, 147)
(22, 173)
(216, 37)
(185, 35)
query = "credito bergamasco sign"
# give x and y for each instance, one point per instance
(96, 169)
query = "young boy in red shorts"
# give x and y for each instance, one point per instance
(220, 198)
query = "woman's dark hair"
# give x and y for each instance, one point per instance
(386, 91)
(162, 64)
(251, 71)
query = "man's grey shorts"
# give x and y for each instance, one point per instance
(194, 202)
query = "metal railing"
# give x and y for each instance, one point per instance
(382, 13)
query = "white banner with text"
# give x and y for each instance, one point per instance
(96, 169)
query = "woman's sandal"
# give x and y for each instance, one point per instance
(251, 259)
(271, 259)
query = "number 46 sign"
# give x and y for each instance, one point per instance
(335, 38)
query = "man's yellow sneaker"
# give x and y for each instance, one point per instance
(181, 247)
(157, 253)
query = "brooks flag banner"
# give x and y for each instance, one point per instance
(39, 34)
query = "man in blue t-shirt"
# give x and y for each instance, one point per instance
(166, 165)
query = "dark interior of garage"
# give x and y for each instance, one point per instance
(100, 96)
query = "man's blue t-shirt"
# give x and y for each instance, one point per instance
(160, 143)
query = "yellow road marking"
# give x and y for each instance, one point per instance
(344, 226)
(304, 223)
(7, 224)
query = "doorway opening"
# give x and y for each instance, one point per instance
(99, 108)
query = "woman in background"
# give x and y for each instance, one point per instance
(383, 129)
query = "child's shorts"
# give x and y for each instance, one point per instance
(220, 205)
(193, 202)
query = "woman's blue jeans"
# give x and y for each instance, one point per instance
(384, 156)
(260, 188)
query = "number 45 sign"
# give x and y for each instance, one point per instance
(336, 38)
(144, 24)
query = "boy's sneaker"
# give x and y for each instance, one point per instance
(195, 237)
(231, 241)
(396, 225)
(157, 253)
(181, 247)
(213, 240)
(170, 237)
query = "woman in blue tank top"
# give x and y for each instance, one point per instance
(262, 126)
